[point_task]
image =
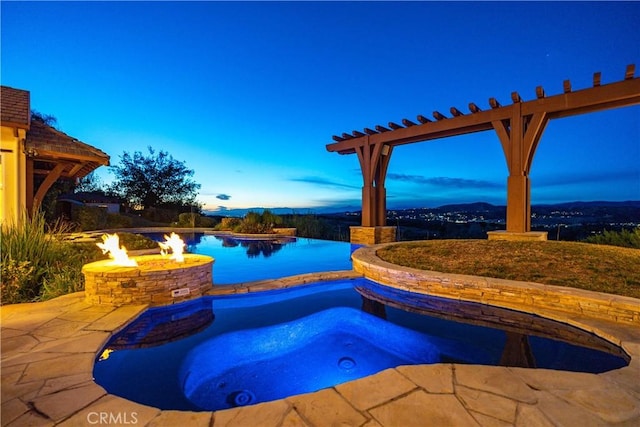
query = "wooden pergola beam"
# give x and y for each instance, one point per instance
(426, 131)
(598, 98)
(612, 95)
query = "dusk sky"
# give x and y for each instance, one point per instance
(248, 94)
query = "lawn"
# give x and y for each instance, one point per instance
(600, 268)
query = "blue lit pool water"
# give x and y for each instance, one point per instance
(240, 260)
(257, 347)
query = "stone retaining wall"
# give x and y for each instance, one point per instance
(152, 282)
(523, 296)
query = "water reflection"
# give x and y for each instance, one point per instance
(374, 307)
(163, 325)
(517, 351)
(192, 240)
(256, 247)
(518, 327)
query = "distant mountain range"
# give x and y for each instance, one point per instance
(279, 211)
(459, 207)
(481, 206)
(629, 203)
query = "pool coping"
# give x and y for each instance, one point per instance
(49, 348)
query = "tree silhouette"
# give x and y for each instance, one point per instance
(154, 180)
(90, 183)
(47, 119)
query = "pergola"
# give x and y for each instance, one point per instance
(519, 127)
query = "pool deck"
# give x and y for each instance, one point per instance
(49, 348)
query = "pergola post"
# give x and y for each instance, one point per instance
(519, 136)
(374, 161)
(518, 204)
(368, 205)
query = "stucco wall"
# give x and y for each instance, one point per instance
(12, 174)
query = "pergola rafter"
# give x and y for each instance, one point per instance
(519, 127)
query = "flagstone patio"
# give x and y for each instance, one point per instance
(49, 348)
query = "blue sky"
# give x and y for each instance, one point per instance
(248, 94)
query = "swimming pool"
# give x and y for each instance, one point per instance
(240, 259)
(225, 351)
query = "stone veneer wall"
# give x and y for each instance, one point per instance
(149, 283)
(515, 237)
(523, 296)
(372, 235)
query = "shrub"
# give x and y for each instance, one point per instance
(625, 238)
(270, 219)
(29, 253)
(62, 283)
(228, 224)
(136, 241)
(206, 221)
(310, 226)
(252, 223)
(89, 217)
(37, 264)
(188, 219)
(118, 221)
(15, 277)
(161, 215)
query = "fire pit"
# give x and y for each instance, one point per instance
(147, 279)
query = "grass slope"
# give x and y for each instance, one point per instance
(598, 268)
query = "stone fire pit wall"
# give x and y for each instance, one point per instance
(157, 280)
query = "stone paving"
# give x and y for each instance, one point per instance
(49, 348)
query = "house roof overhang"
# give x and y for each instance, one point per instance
(46, 145)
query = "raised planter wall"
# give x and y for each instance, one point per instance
(529, 297)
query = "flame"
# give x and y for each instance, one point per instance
(111, 245)
(175, 243)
